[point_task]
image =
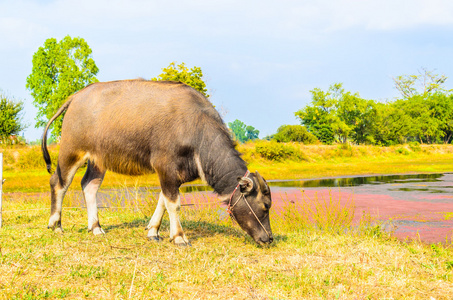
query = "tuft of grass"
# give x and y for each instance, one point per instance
(318, 213)
(448, 216)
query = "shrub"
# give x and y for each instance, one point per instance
(415, 146)
(402, 150)
(345, 150)
(278, 151)
(31, 159)
(8, 158)
(324, 133)
(28, 158)
(294, 133)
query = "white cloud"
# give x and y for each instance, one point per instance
(22, 20)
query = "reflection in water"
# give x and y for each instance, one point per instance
(334, 182)
(433, 191)
(194, 188)
(356, 181)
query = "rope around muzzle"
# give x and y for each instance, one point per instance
(230, 207)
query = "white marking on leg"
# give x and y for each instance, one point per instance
(89, 192)
(55, 218)
(156, 219)
(199, 167)
(60, 192)
(173, 208)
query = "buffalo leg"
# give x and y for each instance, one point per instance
(59, 184)
(91, 182)
(170, 194)
(176, 233)
(156, 220)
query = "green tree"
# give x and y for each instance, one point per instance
(443, 110)
(330, 112)
(425, 82)
(391, 125)
(317, 117)
(430, 117)
(192, 77)
(251, 133)
(357, 115)
(59, 70)
(242, 132)
(238, 129)
(427, 104)
(294, 133)
(338, 115)
(10, 118)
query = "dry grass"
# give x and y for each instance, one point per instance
(322, 212)
(317, 253)
(306, 261)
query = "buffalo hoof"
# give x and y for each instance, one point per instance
(155, 238)
(98, 231)
(57, 230)
(188, 244)
(182, 242)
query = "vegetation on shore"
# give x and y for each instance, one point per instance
(24, 167)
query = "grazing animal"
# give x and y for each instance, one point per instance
(135, 127)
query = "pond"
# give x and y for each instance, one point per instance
(420, 206)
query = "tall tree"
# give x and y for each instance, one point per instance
(328, 111)
(430, 117)
(426, 102)
(391, 125)
(59, 70)
(10, 118)
(192, 77)
(242, 132)
(425, 82)
(357, 114)
(339, 115)
(251, 133)
(317, 116)
(443, 111)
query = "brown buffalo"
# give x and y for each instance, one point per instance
(135, 127)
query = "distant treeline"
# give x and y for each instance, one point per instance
(423, 113)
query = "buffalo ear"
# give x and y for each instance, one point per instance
(263, 184)
(245, 184)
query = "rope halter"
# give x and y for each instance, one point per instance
(230, 207)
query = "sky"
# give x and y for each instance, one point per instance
(260, 59)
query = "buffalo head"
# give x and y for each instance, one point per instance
(250, 205)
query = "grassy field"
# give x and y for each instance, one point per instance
(317, 253)
(306, 261)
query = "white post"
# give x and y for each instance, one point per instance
(1, 186)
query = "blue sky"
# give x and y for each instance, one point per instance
(260, 58)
